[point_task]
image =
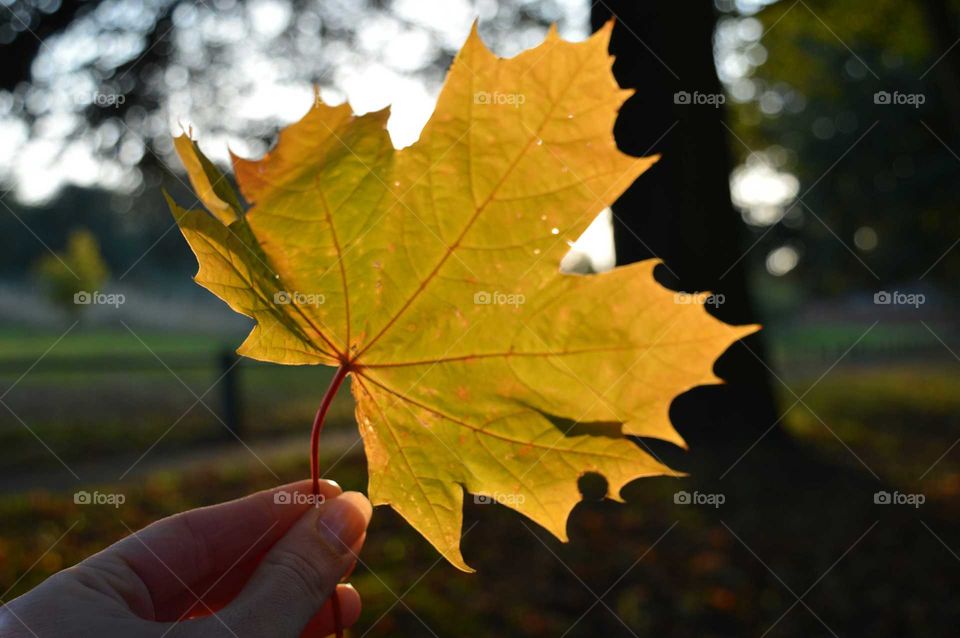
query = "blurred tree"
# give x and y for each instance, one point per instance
(73, 276)
(131, 69)
(878, 177)
(25, 25)
(680, 210)
(112, 79)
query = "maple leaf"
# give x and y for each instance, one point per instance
(431, 275)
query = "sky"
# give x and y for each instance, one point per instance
(383, 66)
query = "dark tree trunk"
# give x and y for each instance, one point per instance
(680, 210)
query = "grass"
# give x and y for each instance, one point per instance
(797, 523)
(18, 342)
(97, 413)
(899, 420)
(660, 568)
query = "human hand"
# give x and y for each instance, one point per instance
(243, 569)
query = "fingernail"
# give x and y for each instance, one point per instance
(332, 484)
(344, 518)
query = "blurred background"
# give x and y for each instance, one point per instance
(809, 178)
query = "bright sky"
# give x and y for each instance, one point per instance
(379, 72)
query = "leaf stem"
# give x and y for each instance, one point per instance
(335, 384)
(318, 426)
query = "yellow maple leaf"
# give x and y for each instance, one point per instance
(431, 276)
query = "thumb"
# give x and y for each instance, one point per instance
(299, 573)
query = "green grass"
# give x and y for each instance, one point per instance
(899, 419)
(799, 344)
(698, 580)
(86, 414)
(84, 341)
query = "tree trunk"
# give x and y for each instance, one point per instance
(680, 211)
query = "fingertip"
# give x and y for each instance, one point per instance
(361, 503)
(323, 623)
(350, 604)
(329, 488)
(296, 497)
(342, 521)
(332, 485)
